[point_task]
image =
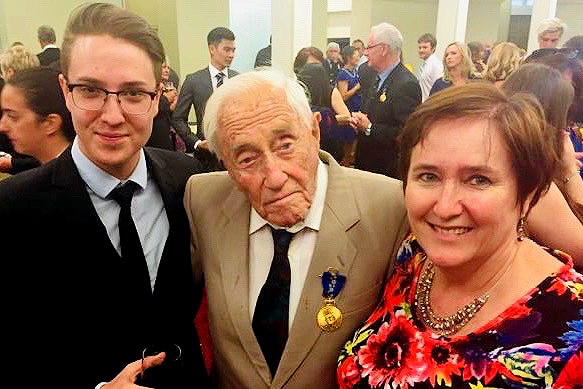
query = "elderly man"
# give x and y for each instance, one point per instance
(97, 255)
(275, 307)
(549, 32)
(332, 62)
(394, 95)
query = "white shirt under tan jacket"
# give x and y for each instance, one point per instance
(362, 223)
(430, 70)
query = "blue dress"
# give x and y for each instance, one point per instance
(347, 134)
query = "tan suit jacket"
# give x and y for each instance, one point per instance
(362, 225)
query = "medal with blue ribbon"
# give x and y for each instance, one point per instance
(329, 317)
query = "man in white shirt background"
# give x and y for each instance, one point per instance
(432, 67)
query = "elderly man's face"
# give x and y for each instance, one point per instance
(333, 54)
(271, 154)
(549, 40)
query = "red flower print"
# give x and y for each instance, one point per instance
(442, 361)
(394, 355)
(348, 373)
(572, 374)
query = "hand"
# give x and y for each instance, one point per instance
(571, 161)
(5, 163)
(126, 379)
(204, 145)
(361, 121)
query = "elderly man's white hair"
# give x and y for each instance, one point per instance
(388, 34)
(551, 25)
(333, 45)
(258, 81)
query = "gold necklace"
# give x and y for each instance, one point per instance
(443, 325)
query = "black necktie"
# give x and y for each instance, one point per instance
(270, 320)
(131, 249)
(220, 78)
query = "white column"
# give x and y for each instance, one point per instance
(291, 22)
(452, 18)
(541, 9)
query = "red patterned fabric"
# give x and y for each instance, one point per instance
(202, 326)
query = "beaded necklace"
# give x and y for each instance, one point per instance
(446, 325)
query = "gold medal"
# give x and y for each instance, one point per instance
(329, 316)
(383, 97)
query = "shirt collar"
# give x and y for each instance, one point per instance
(214, 71)
(100, 181)
(49, 46)
(314, 216)
(385, 73)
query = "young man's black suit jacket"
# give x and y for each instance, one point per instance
(378, 152)
(69, 319)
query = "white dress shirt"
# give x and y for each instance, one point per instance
(214, 71)
(300, 250)
(430, 70)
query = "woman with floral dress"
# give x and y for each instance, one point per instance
(472, 302)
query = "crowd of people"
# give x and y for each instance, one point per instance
(356, 225)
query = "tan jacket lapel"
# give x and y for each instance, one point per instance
(234, 259)
(333, 249)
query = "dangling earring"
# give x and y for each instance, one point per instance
(521, 229)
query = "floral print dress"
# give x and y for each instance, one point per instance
(535, 343)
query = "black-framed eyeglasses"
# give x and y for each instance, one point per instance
(92, 98)
(372, 46)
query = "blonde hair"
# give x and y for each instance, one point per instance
(468, 67)
(503, 61)
(17, 58)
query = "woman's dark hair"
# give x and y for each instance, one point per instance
(43, 95)
(570, 67)
(347, 53)
(554, 93)
(315, 81)
(303, 55)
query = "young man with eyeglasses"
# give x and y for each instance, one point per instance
(100, 278)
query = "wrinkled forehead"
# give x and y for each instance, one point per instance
(252, 105)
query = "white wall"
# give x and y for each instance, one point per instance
(250, 20)
(19, 19)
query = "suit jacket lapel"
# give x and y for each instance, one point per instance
(208, 83)
(234, 259)
(333, 249)
(72, 195)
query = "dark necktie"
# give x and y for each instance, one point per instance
(270, 320)
(220, 78)
(131, 249)
(376, 84)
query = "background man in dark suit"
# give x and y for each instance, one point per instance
(50, 54)
(77, 305)
(394, 96)
(198, 87)
(332, 62)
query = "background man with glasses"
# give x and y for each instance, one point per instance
(394, 95)
(100, 277)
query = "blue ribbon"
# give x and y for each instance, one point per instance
(332, 283)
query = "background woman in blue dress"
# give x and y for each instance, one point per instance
(348, 83)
